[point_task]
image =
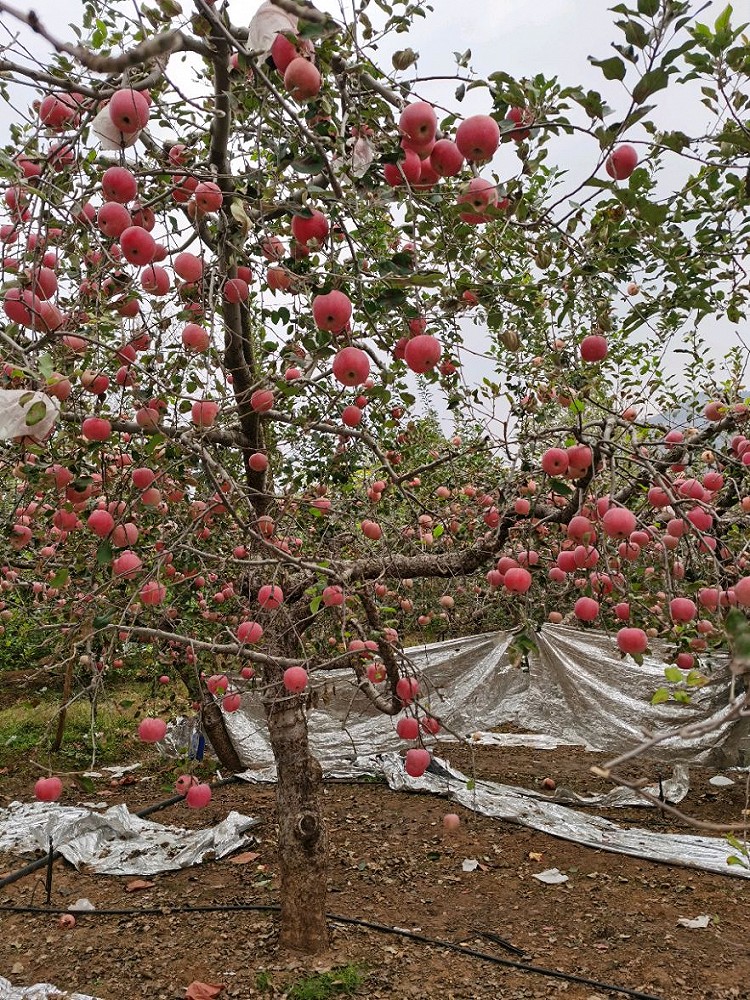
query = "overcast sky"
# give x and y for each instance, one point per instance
(522, 37)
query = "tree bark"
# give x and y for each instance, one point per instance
(303, 840)
(212, 720)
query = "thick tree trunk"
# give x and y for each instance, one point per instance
(303, 841)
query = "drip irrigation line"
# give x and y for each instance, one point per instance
(53, 855)
(338, 919)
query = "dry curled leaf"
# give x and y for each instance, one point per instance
(203, 991)
(139, 883)
(244, 859)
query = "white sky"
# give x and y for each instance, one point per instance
(522, 37)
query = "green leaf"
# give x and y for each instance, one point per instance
(46, 366)
(735, 622)
(613, 68)
(313, 30)
(722, 22)
(104, 553)
(660, 696)
(648, 7)
(695, 679)
(649, 83)
(36, 413)
(734, 860)
(635, 34)
(438, 531)
(673, 674)
(655, 215)
(561, 488)
(60, 578)
(315, 604)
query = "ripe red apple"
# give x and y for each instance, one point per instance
(249, 632)
(128, 110)
(555, 462)
(204, 412)
(351, 366)
(113, 219)
(152, 730)
(478, 137)
(351, 416)
(621, 162)
(632, 640)
(478, 195)
(518, 580)
(195, 338)
(262, 400)
(332, 312)
(127, 565)
(618, 522)
(48, 789)
(155, 280)
(594, 348)
(236, 290)
(519, 116)
(451, 821)
(58, 111)
(742, 591)
(418, 122)
(231, 702)
(407, 689)
(101, 523)
(408, 728)
(198, 796)
(407, 170)
(302, 79)
(183, 783)
(270, 597)
(446, 158)
(371, 530)
(417, 761)
(586, 609)
(422, 353)
(138, 245)
(96, 429)
(118, 184)
(152, 593)
(188, 266)
(208, 197)
(258, 462)
(295, 679)
(333, 596)
(283, 52)
(682, 610)
(310, 229)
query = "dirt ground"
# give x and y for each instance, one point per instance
(614, 921)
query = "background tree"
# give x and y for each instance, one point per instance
(246, 305)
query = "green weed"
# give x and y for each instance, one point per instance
(338, 982)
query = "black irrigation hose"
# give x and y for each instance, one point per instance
(337, 919)
(48, 858)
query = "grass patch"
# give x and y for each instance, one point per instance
(30, 724)
(343, 982)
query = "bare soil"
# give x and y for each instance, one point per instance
(614, 921)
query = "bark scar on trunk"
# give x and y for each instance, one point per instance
(308, 828)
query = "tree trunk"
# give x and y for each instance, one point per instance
(303, 841)
(212, 720)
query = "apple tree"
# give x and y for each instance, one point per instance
(300, 357)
